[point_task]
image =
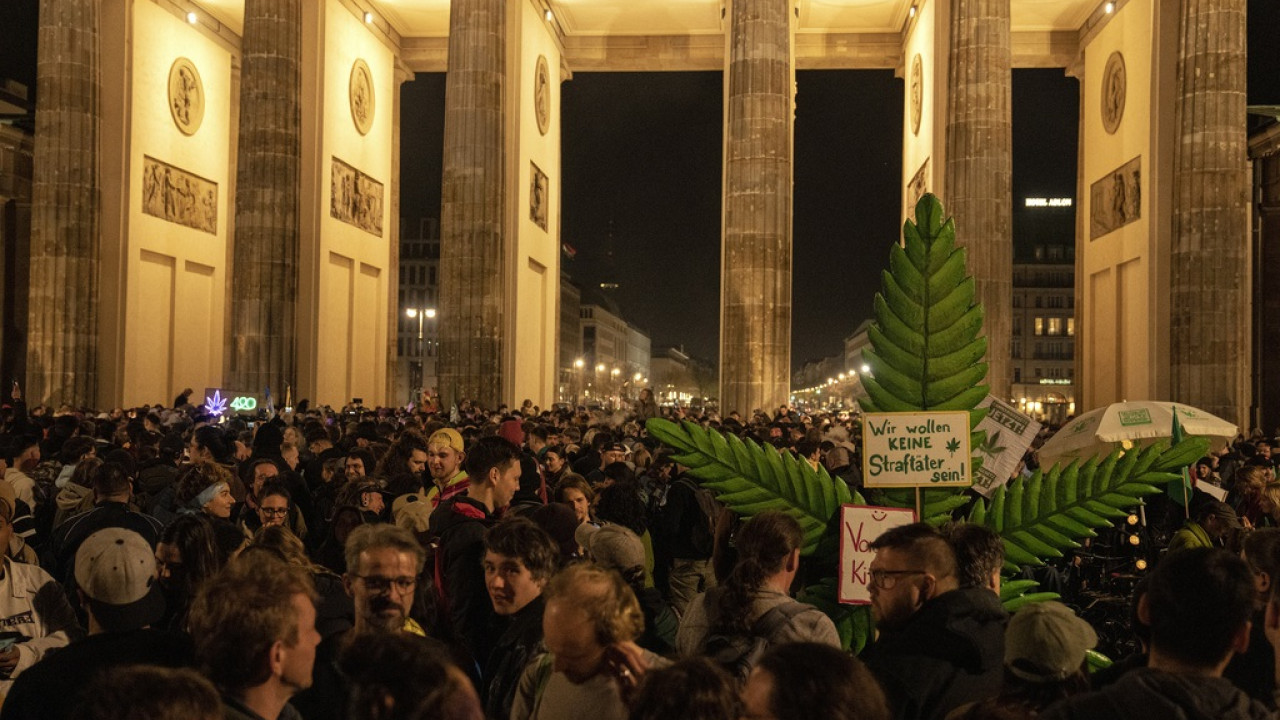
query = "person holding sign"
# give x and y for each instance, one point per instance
(941, 645)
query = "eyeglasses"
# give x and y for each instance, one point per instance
(886, 579)
(377, 583)
(275, 512)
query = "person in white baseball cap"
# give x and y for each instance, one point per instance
(115, 571)
(116, 576)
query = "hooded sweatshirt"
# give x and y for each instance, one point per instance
(950, 652)
(72, 500)
(1151, 693)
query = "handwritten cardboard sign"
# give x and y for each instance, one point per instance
(1009, 434)
(860, 525)
(916, 449)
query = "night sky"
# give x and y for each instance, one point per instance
(641, 186)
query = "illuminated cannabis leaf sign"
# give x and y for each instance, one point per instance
(215, 405)
(218, 405)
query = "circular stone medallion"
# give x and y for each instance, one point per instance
(361, 92)
(917, 93)
(542, 95)
(1113, 92)
(186, 96)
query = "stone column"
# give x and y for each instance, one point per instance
(1208, 323)
(264, 271)
(62, 335)
(755, 304)
(394, 310)
(473, 205)
(978, 185)
(16, 148)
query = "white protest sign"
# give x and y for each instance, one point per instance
(916, 449)
(1009, 434)
(860, 525)
(1213, 491)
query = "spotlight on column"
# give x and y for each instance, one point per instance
(368, 18)
(192, 17)
(912, 11)
(1109, 7)
(549, 16)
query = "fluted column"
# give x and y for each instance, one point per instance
(264, 274)
(62, 334)
(1208, 324)
(473, 205)
(755, 305)
(978, 184)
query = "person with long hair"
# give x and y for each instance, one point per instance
(754, 600)
(1246, 493)
(274, 506)
(1269, 505)
(186, 556)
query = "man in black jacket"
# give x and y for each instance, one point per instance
(685, 536)
(493, 465)
(112, 490)
(941, 645)
(1198, 606)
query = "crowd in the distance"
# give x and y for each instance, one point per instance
(530, 564)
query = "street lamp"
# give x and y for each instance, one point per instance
(578, 364)
(421, 314)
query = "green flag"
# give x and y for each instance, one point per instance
(1179, 490)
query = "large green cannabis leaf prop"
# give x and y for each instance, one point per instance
(926, 355)
(925, 350)
(750, 478)
(1048, 513)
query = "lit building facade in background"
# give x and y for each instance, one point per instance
(417, 331)
(238, 165)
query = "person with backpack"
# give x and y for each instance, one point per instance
(686, 529)
(735, 623)
(493, 466)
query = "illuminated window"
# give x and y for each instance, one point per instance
(1055, 326)
(1039, 326)
(1071, 327)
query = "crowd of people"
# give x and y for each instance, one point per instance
(536, 565)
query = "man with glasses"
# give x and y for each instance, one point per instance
(384, 563)
(384, 566)
(941, 643)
